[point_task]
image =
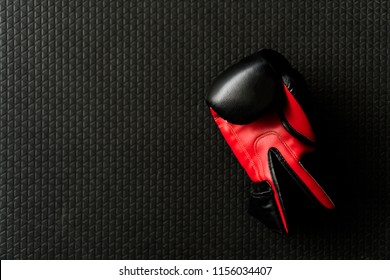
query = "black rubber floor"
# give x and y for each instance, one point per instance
(108, 150)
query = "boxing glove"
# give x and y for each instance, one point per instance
(258, 107)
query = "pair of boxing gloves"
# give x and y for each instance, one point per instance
(258, 107)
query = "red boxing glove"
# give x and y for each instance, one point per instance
(257, 105)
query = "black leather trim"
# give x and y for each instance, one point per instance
(274, 154)
(262, 206)
(296, 84)
(275, 180)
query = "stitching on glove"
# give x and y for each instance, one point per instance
(242, 147)
(280, 139)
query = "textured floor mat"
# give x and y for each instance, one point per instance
(108, 150)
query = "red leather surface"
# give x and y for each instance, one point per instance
(296, 117)
(251, 142)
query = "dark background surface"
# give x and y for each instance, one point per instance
(108, 150)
